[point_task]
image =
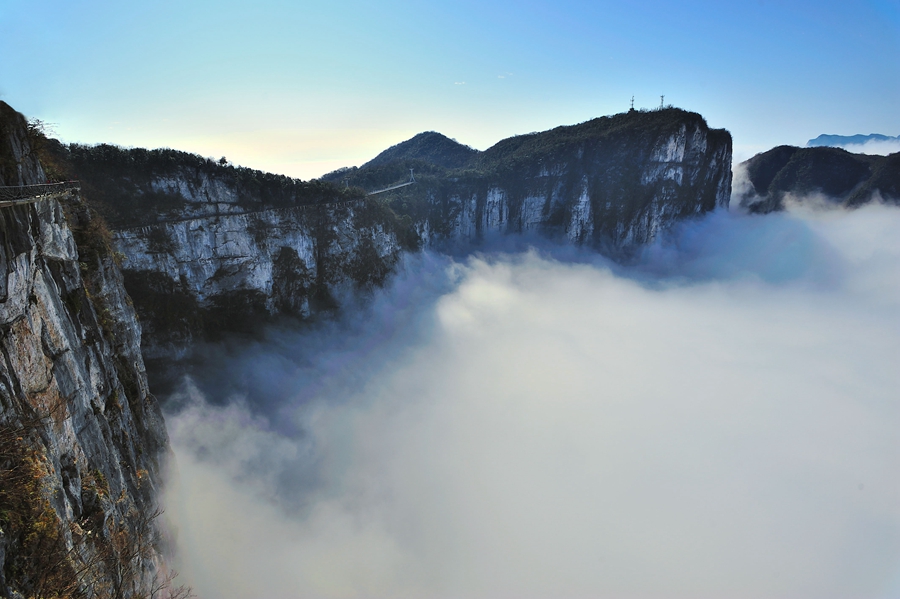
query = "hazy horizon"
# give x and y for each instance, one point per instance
(304, 88)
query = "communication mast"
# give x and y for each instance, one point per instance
(632, 103)
(661, 99)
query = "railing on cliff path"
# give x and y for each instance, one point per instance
(25, 194)
(145, 228)
(15, 195)
(412, 179)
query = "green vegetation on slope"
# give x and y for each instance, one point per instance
(852, 179)
(430, 147)
(610, 153)
(123, 184)
(640, 128)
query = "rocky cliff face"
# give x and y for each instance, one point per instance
(196, 277)
(213, 252)
(81, 438)
(19, 163)
(612, 183)
(207, 248)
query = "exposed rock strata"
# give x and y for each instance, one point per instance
(199, 276)
(612, 183)
(19, 163)
(81, 437)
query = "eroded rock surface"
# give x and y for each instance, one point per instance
(82, 440)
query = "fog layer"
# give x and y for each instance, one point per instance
(874, 146)
(718, 420)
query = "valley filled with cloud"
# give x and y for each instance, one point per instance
(716, 418)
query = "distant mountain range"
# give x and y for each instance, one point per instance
(847, 140)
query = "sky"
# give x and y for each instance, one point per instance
(305, 87)
(718, 419)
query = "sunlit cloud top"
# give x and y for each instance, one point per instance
(718, 420)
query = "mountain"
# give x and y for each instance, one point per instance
(832, 173)
(430, 147)
(610, 183)
(208, 247)
(134, 187)
(845, 140)
(82, 440)
(421, 152)
(203, 248)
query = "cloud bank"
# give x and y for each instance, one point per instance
(880, 147)
(718, 420)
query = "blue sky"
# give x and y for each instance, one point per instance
(305, 87)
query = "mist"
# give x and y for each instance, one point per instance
(875, 146)
(718, 419)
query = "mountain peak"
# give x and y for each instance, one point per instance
(429, 146)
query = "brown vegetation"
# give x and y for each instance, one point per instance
(102, 557)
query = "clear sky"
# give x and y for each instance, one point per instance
(305, 86)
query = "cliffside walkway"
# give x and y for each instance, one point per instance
(145, 228)
(26, 194)
(371, 193)
(412, 179)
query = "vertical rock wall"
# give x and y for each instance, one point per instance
(76, 415)
(612, 192)
(82, 440)
(612, 184)
(19, 163)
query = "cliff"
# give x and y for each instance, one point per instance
(835, 174)
(82, 440)
(206, 251)
(194, 278)
(206, 248)
(611, 183)
(19, 162)
(132, 187)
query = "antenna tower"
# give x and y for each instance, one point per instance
(632, 102)
(661, 99)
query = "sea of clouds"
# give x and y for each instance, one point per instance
(718, 419)
(875, 146)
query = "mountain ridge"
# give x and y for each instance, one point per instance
(833, 173)
(429, 146)
(207, 247)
